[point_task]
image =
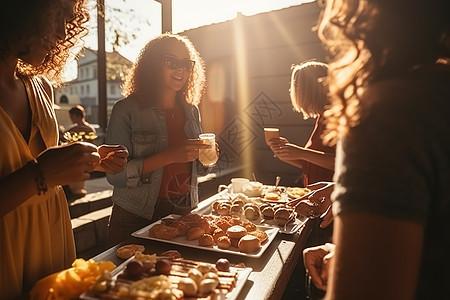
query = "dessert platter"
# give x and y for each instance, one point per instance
(212, 233)
(169, 276)
(260, 204)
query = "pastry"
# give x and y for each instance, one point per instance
(195, 233)
(261, 235)
(162, 231)
(206, 240)
(127, 251)
(223, 242)
(236, 231)
(249, 243)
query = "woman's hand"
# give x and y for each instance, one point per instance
(67, 164)
(113, 158)
(317, 262)
(322, 196)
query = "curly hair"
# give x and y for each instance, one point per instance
(145, 76)
(23, 18)
(373, 39)
(308, 94)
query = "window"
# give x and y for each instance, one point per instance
(112, 89)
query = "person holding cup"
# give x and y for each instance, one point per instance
(309, 97)
(159, 122)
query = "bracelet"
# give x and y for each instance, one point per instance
(39, 177)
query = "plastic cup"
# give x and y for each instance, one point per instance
(208, 157)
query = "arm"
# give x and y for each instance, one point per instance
(289, 152)
(59, 166)
(186, 152)
(375, 257)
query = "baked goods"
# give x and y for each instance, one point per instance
(172, 254)
(127, 251)
(267, 212)
(236, 231)
(273, 196)
(206, 240)
(223, 242)
(218, 233)
(251, 213)
(282, 216)
(195, 233)
(261, 235)
(297, 192)
(249, 226)
(249, 243)
(162, 231)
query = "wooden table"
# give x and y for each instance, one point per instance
(271, 272)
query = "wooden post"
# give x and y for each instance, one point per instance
(101, 65)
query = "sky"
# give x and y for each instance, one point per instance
(187, 14)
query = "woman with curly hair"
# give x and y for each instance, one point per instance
(36, 237)
(389, 78)
(159, 122)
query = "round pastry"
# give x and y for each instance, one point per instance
(282, 215)
(223, 242)
(268, 212)
(236, 231)
(249, 243)
(218, 233)
(236, 220)
(239, 202)
(249, 226)
(127, 251)
(195, 233)
(261, 235)
(206, 240)
(251, 213)
(223, 209)
(235, 209)
(162, 231)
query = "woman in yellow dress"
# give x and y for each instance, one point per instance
(36, 236)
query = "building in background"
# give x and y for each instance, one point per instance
(84, 88)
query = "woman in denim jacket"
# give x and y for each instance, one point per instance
(159, 122)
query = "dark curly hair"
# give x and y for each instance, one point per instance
(145, 76)
(23, 18)
(372, 39)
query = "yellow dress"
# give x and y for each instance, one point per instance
(36, 239)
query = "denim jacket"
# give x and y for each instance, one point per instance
(143, 131)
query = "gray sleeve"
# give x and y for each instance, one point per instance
(119, 132)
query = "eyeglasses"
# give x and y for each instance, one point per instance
(174, 63)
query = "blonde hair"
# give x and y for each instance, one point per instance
(144, 78)
(307, 91)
